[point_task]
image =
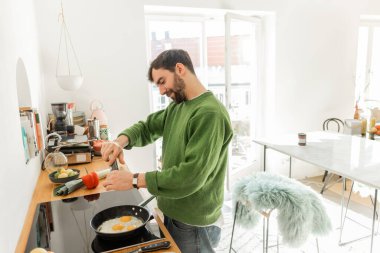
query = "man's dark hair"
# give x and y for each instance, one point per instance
(168, 59)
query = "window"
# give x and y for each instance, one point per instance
(368, 65)
(224, 50)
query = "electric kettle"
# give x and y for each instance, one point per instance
(98, 113)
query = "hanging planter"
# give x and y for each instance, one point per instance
(70, 78)
(70, 82)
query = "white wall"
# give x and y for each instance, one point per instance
(18, 39)
(315, 51)
(110, 45)
(315, 60)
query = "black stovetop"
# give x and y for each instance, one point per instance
(64, 225)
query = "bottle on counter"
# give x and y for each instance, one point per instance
(69, 118)
(356, 113)
(364, 126)
(372, 122)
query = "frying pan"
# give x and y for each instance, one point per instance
(138, 211)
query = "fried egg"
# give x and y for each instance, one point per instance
(118, 227)
(120, 224)
(126, 218)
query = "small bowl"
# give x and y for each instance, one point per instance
(63, 180)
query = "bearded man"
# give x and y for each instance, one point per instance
(196, 131)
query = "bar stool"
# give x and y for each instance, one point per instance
(300, 211)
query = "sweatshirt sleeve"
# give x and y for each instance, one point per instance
(145, 132)
(208, 138)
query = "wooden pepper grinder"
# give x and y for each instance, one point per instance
(356, 114)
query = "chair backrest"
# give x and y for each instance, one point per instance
(338, 124)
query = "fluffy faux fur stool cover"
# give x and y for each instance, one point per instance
(300, 209)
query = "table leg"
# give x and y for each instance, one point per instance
(345, 213)
(233, 227)
(373, 218)
(341, 215)
(290, 167)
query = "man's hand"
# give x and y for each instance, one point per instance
(114, 149)
(118, 180)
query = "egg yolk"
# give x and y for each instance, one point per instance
(131, 227)
(117, 227)
(125, 218)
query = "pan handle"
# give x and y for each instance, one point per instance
(145, 202)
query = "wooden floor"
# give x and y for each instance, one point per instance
(335, 186)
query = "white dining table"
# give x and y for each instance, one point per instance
(351, 157)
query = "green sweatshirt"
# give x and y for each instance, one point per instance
(196, 134)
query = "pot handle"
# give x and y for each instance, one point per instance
(145, 202)
(151, 217)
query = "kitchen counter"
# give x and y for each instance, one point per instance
(43, 192)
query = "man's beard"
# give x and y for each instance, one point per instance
(178, 90)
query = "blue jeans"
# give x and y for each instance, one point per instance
(193, 239)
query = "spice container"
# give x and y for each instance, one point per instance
(104, 132)
(302, 139)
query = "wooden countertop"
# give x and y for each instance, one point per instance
(43, 192)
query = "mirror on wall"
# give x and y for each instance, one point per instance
(23, 90)
(32, 139)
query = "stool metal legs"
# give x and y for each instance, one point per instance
(233, 226)
(316, 241)
(265, 232)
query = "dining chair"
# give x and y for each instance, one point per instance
(338, 124)
(331, 124)
(300, 211)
